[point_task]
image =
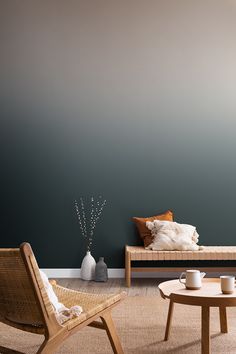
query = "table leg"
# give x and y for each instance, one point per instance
(169, 320)
(223, 320)
(206, 345)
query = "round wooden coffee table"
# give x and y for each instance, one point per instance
(208, 296)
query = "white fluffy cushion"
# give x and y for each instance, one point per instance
(63, 313)
(170, 236)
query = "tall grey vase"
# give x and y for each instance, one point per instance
(87, 271)
(101, 270)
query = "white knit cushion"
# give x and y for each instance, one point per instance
(170, 236)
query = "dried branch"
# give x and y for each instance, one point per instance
(95, 214)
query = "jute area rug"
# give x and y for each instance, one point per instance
(140, 322)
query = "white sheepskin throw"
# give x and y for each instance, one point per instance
(62, 313)
(171, 236)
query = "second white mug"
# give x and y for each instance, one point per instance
(193, 279)
(227, 283)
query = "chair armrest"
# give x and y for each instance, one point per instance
(53, 282)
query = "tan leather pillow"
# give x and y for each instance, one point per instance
(144, 233)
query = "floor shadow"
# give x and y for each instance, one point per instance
(149, 349)
(4, 350)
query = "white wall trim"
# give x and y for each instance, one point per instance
(75, 272)
(116, 273)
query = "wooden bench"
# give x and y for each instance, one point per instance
(211, 253)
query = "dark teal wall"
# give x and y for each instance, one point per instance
(131, 99)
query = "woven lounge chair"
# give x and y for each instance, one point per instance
(24, 303)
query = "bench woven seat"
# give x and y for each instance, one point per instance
(209, 253)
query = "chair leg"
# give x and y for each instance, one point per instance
(111, 332)
(43, 348)
(49, 346)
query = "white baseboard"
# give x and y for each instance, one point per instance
(117, 273)
(75, 273)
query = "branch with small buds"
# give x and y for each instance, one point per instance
(95, 213)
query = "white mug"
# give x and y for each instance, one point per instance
(227, 283)
(193, 279)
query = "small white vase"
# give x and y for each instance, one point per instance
(87, 271)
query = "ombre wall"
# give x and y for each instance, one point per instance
(134, 100)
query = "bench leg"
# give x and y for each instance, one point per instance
(127, 268)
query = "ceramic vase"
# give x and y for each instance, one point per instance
(87, 271)
(101, 270)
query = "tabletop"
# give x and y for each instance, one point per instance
(210, 293)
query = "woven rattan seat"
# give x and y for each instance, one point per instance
(24, 303)
(208, 253)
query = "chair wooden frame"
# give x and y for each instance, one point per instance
(46, 322)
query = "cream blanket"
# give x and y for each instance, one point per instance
(170, 236)
(62, 313)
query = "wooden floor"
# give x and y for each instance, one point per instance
(139, 287)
